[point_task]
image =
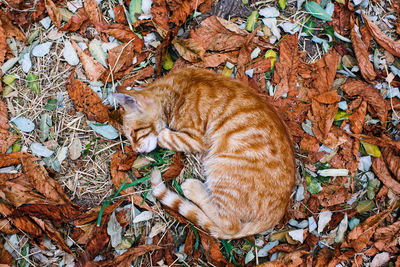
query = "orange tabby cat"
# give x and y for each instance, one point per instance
(249, 160)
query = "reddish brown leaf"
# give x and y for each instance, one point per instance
(328, 97)
(212, 251)
(4, 116)
(244, 56)
(309, 143)
(357, 118)
(382, 39)
(120, 57)
(324, 116)
(362, 233)
(55, 213)
(160, 17)
(5, 256)
(175, 168)
(189, 242)
(14, 158)
(285, 74)
(54, 12)
(93, 214)
(76, 21)
(92, 11)
(189, 49)
(120, 14)
(122, 33)
(53, 234)
(260, 66)
(180, 14)
(91, 66)
(119, 176)
(323, 73)
(126, 258)
(137, 76)
(3, 44)
(86, 100)
(10, 29)
(341, 19)
(43, 183)
(380, 169)
(392, 160)
(6, 140)
(362, 55)
(7, 228)
(214, 60)
(386, 237)
(217, 34)
(355, 87)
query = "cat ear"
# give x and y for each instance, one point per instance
(126, 101)
(138, 102)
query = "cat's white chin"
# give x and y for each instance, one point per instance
(148, 144)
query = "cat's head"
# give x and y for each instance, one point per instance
(141, 120)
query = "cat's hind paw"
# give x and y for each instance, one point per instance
(194, 190)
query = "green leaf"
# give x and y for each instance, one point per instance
(45, 124)
(313, 186)
(16, 147)
(167, 62)
(51, 104)
(371, 149)
(135, 7)
(272, 55)
(9, 78)
(33, 82)
(282, 4)
(252, 21)
(309, 27)
(365, 205)
(317, 11)
(341, 115)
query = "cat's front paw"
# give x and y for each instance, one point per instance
(194, 190)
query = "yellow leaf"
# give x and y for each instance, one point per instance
(371, 149)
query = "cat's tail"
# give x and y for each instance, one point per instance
(185, 207)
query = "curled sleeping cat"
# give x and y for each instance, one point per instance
(249, 161)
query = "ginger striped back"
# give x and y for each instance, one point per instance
(249, 161)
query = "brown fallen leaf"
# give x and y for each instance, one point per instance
(120, 57)
(391, 157)
(5, 256)
(52, 233)
(6, 140)
(86, 100)
(160, 16)
(43, 183)
(10, 29)
(92, 67)
(323, 117)
(189, 242)
(309, 143)
(54, 12)
(186, 7)
(362, 55)
(93, 214)
(3, 44)
(386, 237)
(7, 228)
(122, 33)
(362, 233)
(380, 169)
(261, 65)
(55, 213)
(4, 116)
(382, 39)
(175, 168)
(92, 11)
(217, 34)
(14, 158)
(120, 14)
(120, 176)
(126, 258)
(189, 49)
(76, 21)
(341, 19)
(285, 74)
(328, 97)
(137, 76)
(354, 87)
(212, 251)
(323, 73)
(356, 119)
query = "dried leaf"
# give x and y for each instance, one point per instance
(93, 214)
(119, 176)
(86, 100)
(387, 236)
(392, 158)
(285, 74)
(92, 11)
(139, 75)
(54, 12)
(122, 33)
(120, 57)
(380, 169)
(43, 183)
(14, 158)
(211, 250)
(189, 49)
(355, 87)
(324, 115)
(328, 97)
(10, 29)
(160, 17)
(92, 67)
(357, 118)
(126, 258)
(175, 168)
(3, 44)
(214, 60)
(3, 116)
(360, 49)
(5, 256)
(382, 39)
(55, 213)
(76, 21)
(6, 140)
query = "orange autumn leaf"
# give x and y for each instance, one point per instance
(356, 119)
(185, 8)
(54, 12)
(175, 168)
(43, 183)
(328, 97)
(392, 158)
(120, 14)
(55, 213)
(86, 100)
(3, 44)
(362, 55)
(211, 250)
(382, 39)
(323, 117)
(92, 11)
(120, 57)
(10, 29)
(6, 140)
(92, 67)
(285, 74)
(189, 49)
(93, 214)
(127, 257)
(214, 60)
(323, 73)
(137, 76)
(160, 17)
(122, 33)
(4, 116)
(381, 170)
(309, 143)
(385, 237)
(76, 21)
(5, 257)
(14, 158)
(119, 176)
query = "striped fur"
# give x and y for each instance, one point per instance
(249, 160)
